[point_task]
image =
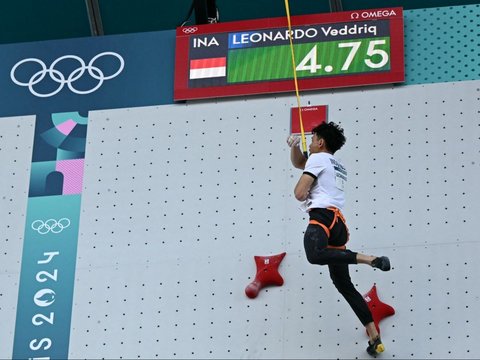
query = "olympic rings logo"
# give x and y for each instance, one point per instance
(51, 225)
(190, 30)
(57, 76)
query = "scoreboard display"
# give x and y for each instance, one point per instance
(251, 57)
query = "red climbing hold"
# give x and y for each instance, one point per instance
(379, 309)
(267, 274)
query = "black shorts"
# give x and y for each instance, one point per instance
(339, 231)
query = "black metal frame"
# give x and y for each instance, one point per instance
(336, 5)
(205, 11)
(94, 17)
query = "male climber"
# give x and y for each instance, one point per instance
(321, 189)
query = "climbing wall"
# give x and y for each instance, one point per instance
(179, 199)
(16, 135)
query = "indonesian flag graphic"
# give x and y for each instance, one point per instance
(208, 68)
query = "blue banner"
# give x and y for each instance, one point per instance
(60, 82)
(44, 309)
(47, 278)
(87, 73)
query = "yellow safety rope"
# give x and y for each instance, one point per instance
(304, 140)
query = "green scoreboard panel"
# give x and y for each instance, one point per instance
(316, 59)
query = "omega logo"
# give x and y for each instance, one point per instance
(372, 14)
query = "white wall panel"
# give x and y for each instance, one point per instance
(16, 140)
(178, 199)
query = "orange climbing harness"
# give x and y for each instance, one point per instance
(337, 215)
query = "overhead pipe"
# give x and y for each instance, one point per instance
(94, 17)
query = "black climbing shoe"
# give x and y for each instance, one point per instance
(381, 263)
(376, 347)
